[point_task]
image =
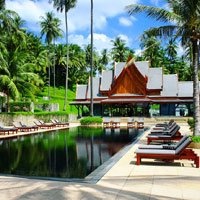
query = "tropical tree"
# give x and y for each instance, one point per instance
(119, 50)
(185, 24)
(51, 30)
(91, 62)
(65, 5)
(2, 4)
(104, 57)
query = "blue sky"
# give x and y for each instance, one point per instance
(110, 20)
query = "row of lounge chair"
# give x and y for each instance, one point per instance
(21, 126)
(115, 123)
(167, 152)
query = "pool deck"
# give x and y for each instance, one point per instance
(125, 180)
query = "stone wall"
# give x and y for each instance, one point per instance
(51, 107)
(7, 119)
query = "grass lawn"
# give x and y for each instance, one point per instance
(58, 98)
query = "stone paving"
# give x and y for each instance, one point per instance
(125, 180)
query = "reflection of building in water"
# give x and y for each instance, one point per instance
(116, 131)
(132, 131)
(102, 151)
(107, 131)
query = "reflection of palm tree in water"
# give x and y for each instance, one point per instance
(67, 156)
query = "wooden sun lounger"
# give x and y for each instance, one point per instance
(7, 130)
(58, 123)
(107, 123)
(131, 123)
(19, 127)
(43, 125)
(115, 123)
(174, 135)
(42, 122)
(140, 123)
(165, 146)
(35, 128)
(63, 123)
(169, 155)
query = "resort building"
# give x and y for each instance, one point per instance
(135, 89)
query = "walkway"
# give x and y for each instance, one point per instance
(124, 180)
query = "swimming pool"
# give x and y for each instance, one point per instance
(70, 153)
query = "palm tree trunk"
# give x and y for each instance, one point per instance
(49, 75)
(66, 81)
(54, 73)
(195, 55)
(91, 80)
(8, 103)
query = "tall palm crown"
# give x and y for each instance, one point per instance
(119, 50)
(65, 5)
(50, 27)
(185, 15)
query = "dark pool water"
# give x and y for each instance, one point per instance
(70, 153)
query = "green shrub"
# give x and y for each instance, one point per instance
(196, 139)
(91, 120)
(37, 110)
(20, 106)
(191, 123)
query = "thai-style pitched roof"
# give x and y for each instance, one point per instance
(96, 88)
(185, 89)
(81, 91)
(170, 85)
(106, 80)
(155, 79)
(138, 82)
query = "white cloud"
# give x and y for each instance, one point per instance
(125, 21)
(79, 17)
(125, 38)
(101, 41)
(138, 52)
(155, 2)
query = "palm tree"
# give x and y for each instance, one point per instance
(184, 17)
(65, 5)
(2, 4)
(50, 28)
(119, 50)
(104, 57)
(91, 61)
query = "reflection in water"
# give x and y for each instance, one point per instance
(72, 153)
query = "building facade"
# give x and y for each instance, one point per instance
(135, 89)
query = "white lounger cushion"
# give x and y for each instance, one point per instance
(165, 146)
(156, 151)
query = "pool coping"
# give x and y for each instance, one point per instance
(94, 176)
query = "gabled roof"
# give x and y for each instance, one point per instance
(118, 68)
(81, 91)
(106, 80)
(185, 89)
(143, 67)
(170, 85)
(155, 79)
(96, 88)
(130, 80)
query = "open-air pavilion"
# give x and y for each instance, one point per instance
(135, 89)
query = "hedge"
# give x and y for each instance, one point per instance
(20, 106)
(191, 123)
(196, 139)
(91, 120)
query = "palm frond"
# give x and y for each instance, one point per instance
(156, 13)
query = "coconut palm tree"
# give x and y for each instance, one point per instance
(65, 5)
(91, 62)
(119, 50)
(50, 28)
(2, 4)
(184, 24)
